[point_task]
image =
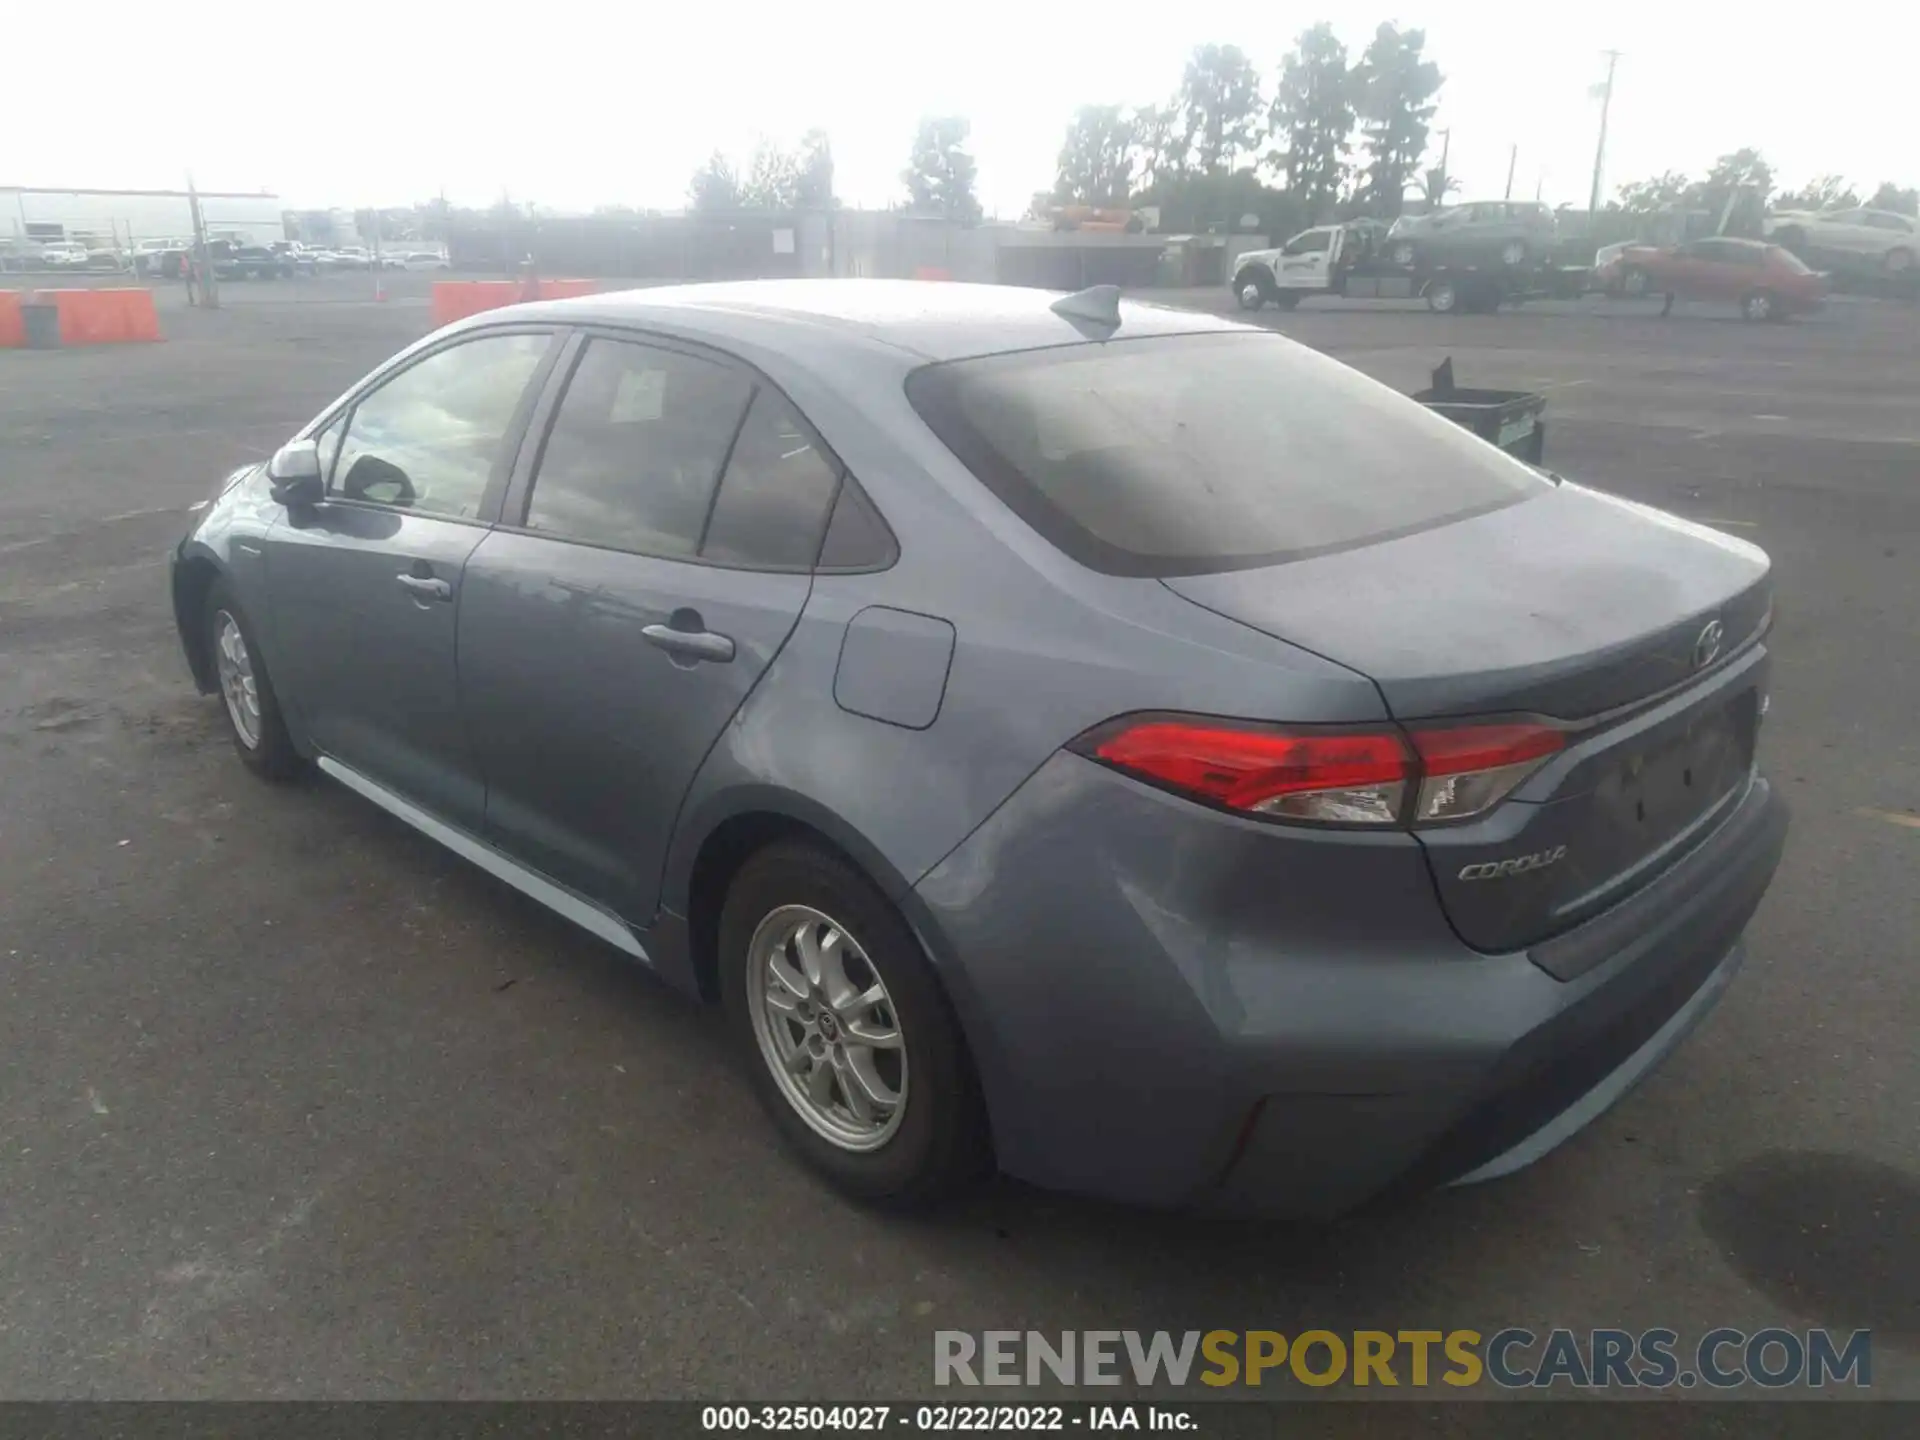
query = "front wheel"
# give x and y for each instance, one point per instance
(1443, 297)
(253, 709)
(853, 1049)
(1248, 290)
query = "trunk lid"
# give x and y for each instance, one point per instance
(1635, 628)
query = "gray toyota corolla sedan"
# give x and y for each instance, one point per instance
(1106, 742)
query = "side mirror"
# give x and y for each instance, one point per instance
(294, 474)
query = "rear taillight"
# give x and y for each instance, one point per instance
(1465, 769)
(1324, 775)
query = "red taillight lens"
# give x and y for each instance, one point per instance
(1340, 777)
(1465, 769)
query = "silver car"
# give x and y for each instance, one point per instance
(1113, 743)
(1484, 232)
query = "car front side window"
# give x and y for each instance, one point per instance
(636, 447)
(429, 439)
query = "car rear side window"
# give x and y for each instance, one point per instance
(773, 500)
(636, 448)
(1180, 455)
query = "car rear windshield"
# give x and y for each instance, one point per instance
(1180, 455)
(1787, 260)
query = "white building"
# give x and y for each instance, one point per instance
(120, 217)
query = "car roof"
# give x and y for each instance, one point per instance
(922, 320)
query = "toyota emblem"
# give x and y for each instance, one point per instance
(1706, 649)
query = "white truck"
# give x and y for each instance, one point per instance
(1348, 260)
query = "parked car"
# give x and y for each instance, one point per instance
(147, 254)
(1510, 232)
(351, 257)
(1884, 237)
(62, 255)
(1766, 281)
(424, 260)
(261, 262)
(1181, 770)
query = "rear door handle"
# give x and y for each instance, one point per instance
(693, 644)
(425, 587)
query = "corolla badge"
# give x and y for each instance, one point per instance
(1515, 865)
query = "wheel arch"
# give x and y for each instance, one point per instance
(194, 575)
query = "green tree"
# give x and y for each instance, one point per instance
(1436, 185)
(1312, 120)
(815, 181)
(1159, 148)
(1096, 160)
(1219, 106)
(1737, 186)
(1643, 197)
(1396, 90)
(1890, 196)
(773, 179)
(1829, 192)
(940, 176)
(715, 187)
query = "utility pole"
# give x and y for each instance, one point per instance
(1446, 144)
(1513, 157)
(1600, 151)
(209, 295)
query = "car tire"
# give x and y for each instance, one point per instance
(1634, 282)
(1899, 260)
(1760, 305)
(1443, 297)
(934, 1142)
(246, 693)
(1249, 290)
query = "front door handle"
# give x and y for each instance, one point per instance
(692, 644)
(425, 587)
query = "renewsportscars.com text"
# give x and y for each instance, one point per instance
(1512, 1359)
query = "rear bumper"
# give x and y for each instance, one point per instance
(1173, 1007)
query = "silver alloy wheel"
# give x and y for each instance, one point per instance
(237, 685)
(827, 1028)
(1251, 297)
(1760, 306)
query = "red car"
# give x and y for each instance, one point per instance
(1765, 281)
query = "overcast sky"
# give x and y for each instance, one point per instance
(344, 102)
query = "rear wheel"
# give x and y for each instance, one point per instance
(852, 1047)
(1760, 305)
(1443, 297)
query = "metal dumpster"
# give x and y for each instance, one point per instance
(1511, 419)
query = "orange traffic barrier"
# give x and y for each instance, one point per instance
(105, 317)
(932, 272)
(457, 299)
(13, 329)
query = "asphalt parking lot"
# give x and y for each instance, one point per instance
(292, 1104)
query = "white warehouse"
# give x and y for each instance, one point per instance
(120, 217)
